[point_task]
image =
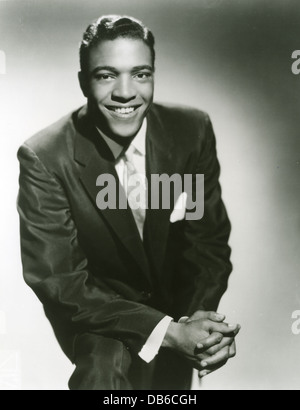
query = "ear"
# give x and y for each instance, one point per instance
(83, 83)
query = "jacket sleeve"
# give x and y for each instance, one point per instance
(206, 265)
(55, 267)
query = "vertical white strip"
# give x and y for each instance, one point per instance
(2, 62)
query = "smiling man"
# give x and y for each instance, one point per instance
(117, 80)
(131, 292)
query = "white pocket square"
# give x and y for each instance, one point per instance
(178, 213)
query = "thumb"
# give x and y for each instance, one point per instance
(183, 319)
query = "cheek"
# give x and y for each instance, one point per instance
(147, 92)
(99, 93)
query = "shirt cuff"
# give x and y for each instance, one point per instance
(154, 341)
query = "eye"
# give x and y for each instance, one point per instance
(142, 76)
(104, 77)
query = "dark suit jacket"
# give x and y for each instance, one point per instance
(90, 268)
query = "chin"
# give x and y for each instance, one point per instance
(125, 131)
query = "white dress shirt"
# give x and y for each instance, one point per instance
(154, 341)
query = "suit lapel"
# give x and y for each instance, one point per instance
(96, 159)
(159, 154)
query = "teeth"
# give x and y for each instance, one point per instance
(124, 110)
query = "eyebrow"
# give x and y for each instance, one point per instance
(114, 70)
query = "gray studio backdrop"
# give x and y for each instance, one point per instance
(229, 58)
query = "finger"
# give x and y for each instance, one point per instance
(183, 319)
(232, 350)
(203, 373)
(196, 365)
(201, 314)
(237, 330)
(224, 328)
(219, 357)
(199, 358)
(216, 317)
(226, 341)
(211, 340)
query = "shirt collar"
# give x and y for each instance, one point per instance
(139, 142)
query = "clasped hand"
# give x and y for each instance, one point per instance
(205, 340)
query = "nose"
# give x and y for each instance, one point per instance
(124, 90)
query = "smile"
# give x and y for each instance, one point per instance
(123, 112)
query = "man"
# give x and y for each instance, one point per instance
(130, 291)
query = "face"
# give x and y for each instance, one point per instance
(119, 85)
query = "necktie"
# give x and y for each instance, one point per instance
(135, 187)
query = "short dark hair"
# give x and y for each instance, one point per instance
(112, 27)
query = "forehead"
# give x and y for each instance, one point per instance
(122, 54)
